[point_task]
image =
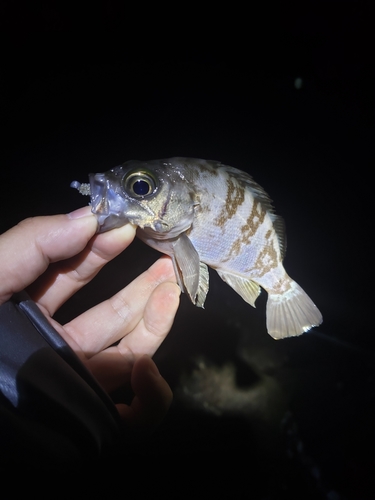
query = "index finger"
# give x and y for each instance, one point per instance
(65, 278)
(28, 248)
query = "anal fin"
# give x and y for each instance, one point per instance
(247, 289)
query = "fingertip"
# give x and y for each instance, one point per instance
(114, 241)
(152, 398)
(147, 382)
(174, 290)
(83, 217)
(124, 233)
(161, 310)
(170, 298)
(162, 270)
(147, 363)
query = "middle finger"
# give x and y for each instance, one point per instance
(64, 278)
(108, 322)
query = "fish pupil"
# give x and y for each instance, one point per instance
(141, 187)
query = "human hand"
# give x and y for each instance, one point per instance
(53, 257)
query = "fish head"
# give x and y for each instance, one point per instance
(154, 196)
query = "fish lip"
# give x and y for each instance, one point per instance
(105, 203)
(108, 222)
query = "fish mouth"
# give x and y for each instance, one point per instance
(106, 203)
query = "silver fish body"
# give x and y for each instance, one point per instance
(203, 213)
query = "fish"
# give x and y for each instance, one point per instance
(205, 214)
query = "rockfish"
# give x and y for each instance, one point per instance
(203, 213)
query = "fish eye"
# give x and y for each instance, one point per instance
(139, 184)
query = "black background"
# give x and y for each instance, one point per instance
(85, 90)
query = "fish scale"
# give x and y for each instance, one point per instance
(203, 213)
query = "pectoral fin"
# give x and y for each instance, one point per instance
(191, 272)
(249, 290)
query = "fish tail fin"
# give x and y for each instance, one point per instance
(291, 313)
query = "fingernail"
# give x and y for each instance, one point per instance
(80, 212)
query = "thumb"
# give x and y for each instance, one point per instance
(27, 249)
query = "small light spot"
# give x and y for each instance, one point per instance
(298, 83)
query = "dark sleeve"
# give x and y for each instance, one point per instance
(52, 410)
